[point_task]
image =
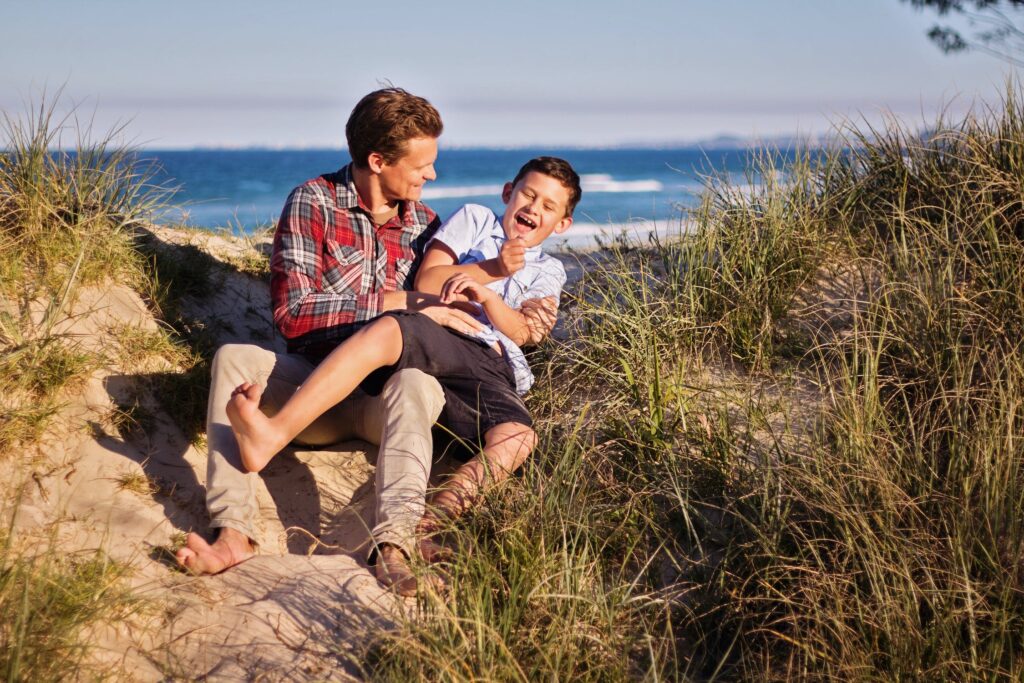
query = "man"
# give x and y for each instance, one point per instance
(346, 250)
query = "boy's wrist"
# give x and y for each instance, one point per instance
(487, 295)
(493, 267)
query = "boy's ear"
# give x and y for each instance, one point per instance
(506, 193)
(563, 225)
(376, 162)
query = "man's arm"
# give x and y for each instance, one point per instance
(300, 305)
(454, 315)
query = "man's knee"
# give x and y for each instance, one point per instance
(231, 358)
(411, 385)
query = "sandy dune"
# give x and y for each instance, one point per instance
(294, 611)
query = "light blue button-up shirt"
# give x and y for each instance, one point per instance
(475, 234)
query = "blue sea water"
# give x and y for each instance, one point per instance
(633, 190)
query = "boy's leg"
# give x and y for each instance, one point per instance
(260, 437)
(506, 447)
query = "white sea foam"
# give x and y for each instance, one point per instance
(602, 182)
(586, 235)
(458, 191)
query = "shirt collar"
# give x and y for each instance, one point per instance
(348, 198)
(345, 190)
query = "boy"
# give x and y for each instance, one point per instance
(475, 257)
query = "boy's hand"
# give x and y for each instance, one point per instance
(512, 256)
(461, 287)
(455, 316)
(541, 316)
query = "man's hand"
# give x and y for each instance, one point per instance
(541, 316)
(512, 256)
(461, 287)
(454, 316)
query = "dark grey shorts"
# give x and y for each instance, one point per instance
(479, 387)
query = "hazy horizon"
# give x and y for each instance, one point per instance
(263, 75)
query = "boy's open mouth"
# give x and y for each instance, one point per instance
(523, 220)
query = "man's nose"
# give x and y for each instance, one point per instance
(431, 174)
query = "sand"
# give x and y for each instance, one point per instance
(298, 610)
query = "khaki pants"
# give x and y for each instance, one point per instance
(399, 420)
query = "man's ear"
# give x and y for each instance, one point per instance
(506, 193)
(563, 225)
(376, 162)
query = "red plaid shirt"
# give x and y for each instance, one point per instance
(331, 266)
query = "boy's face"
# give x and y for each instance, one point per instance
(535, 207)
(404, 179)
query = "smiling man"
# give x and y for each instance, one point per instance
(345, 251)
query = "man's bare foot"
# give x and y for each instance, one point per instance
(433, 552)
(199, 557)
(258, 441)
(394, 572)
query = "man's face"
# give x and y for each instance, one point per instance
(404, 179)
(534, 208)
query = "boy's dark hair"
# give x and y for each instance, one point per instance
(385, 120)
(560, 170)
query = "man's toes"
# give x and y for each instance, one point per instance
(185, 556)
(431, 551)
(432, 582)
(397, 577)
(394, 572)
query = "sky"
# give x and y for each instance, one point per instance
(517, 73)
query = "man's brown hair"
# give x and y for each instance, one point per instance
(385, 120)
(560, 170)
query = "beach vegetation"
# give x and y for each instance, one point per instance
(994, 27)
(783, 446)
(49, 599)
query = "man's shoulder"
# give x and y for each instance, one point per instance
(322, 189)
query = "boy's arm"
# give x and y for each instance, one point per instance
(505, 319)
(440, 263)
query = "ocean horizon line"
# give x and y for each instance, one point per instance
(724, 142)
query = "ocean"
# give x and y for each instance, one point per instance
(636, 191)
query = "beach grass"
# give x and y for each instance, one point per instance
(787, 446)
(72, 209)
(49, 599)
